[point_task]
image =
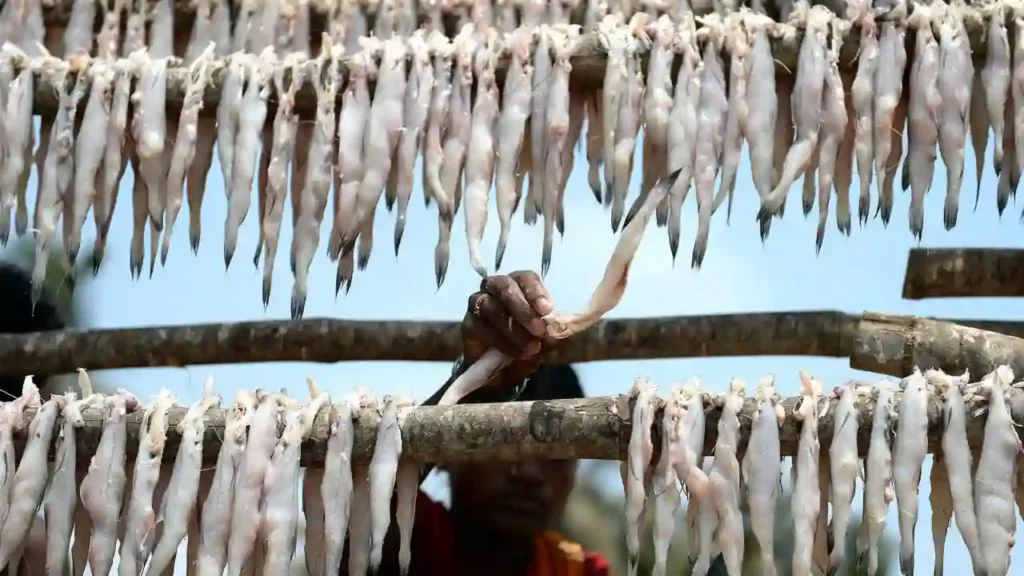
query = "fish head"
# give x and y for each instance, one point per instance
(809, 385)
(766, 390)
(72, 410)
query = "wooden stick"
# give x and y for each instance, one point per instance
(964, 272)
(879, 343)
(591, 428)
(588, 61)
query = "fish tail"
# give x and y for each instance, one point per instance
(952, 208)
(399, 232)
(298, 306)
(907, 564)
(700, 243)
(499, 254)
(594, 179)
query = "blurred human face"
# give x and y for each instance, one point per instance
(515, 501)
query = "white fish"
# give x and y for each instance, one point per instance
(114, 161)
(627, 123)
(725, 479)
(515, 111)
(383, 471)
(455, 144)
(355, 112)
(996, 81)
(762, 108)
(319, 177)
(417, 107)
(923, 115)
(712, 120)
(184, 150)
(806, 102)
(248, 487)
(282, 150)
(383, 130)
(635, 469)
(479, 167)
(558, 126)
(360, 536)
(57, 169)
(278, 510)
(140, 531)
(19, 140)
(613, 40)
(30, 479)
(251, 116)
(737, 43)
(61, 497)
(908, 452)
(606, 297)
(878, 490)
(216, 510)
(658, 108)
(102, 490)
(995, 479)
(762, 470)
(957, 459)
(89, 152)
(150, 123)
(682, 125)
(663, 483)
(538, 124)
(833, 127)
(806, 490)
(336, 489)
(227, 114)
(844, 458)
(888, 91)
(956, 78)
(180, 497)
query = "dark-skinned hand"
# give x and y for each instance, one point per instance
(506, 314)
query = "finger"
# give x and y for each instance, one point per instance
(514, 300)
(494, 314)
(534, 290)
(483, 309)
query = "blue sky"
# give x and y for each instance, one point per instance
(740, 274)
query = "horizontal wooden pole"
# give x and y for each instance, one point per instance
(588, 428)
(879, 343)
(588, 61)
(964, 272)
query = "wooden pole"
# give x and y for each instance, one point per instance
(964, 272)
(880, 343)
(591, 428)
(588, 61)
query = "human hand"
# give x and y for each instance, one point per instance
(506, 314)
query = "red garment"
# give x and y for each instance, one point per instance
(433, 545)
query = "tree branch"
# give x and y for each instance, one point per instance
(880, 343)
(591, 428)
(964, 272)
(588, 61)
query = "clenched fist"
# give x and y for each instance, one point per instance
(506, 313)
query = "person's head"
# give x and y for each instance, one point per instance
(517, 500)
(17, 317)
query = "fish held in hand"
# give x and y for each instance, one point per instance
(605, 298)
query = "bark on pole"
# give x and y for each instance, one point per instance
(588, 61)
(964, 272)
(590, 428)
(879, 343)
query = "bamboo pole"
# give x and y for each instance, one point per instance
(589, 428)
(964, 272)
(588, 61)
(885, 344)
